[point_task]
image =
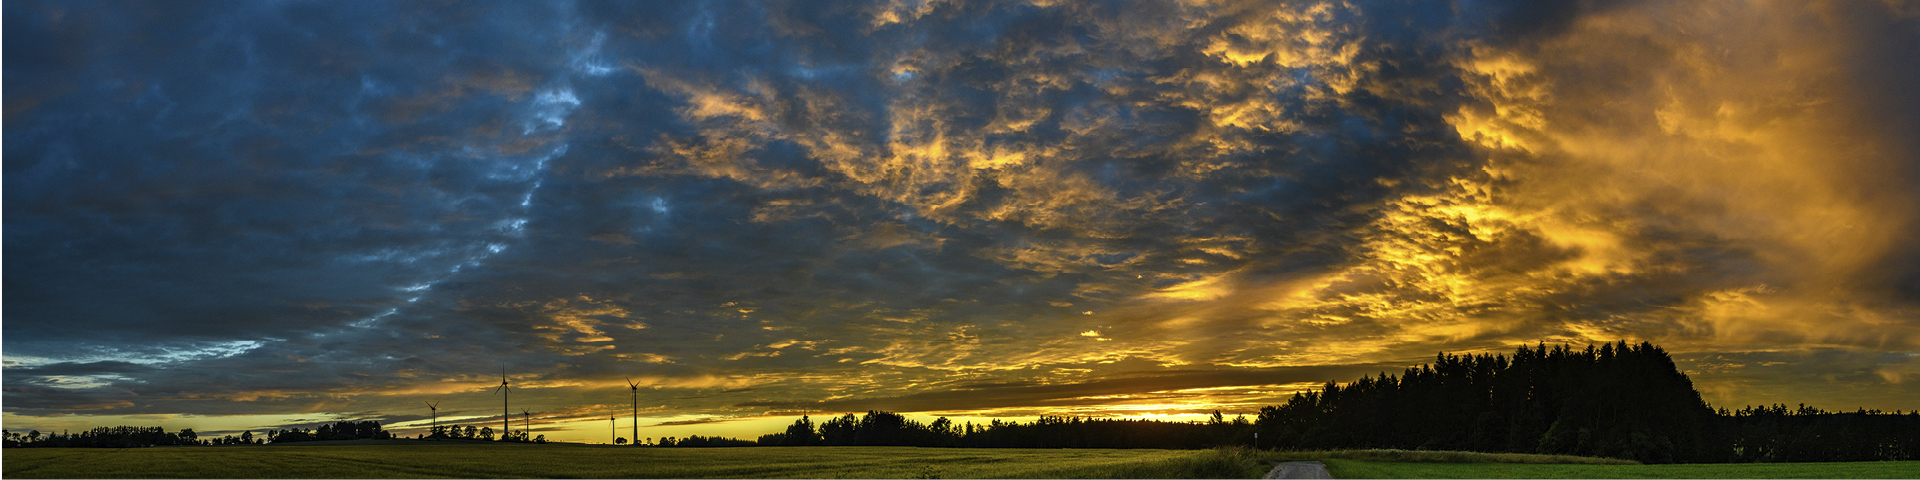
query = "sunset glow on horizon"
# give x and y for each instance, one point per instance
(255, 215)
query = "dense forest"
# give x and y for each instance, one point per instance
(1808, 434)
(1619, 400)
(1616, 401)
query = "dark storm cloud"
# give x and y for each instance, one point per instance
(261, 183)
(260, 208)
(237, 174)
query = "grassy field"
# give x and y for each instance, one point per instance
(1365, 469)
(1432, 464)
(407, 459)
(583, 461)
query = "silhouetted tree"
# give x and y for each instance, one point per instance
(839, 431)
(801, 433)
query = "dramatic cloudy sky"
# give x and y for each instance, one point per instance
(235, 215)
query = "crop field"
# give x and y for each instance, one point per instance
(407, 459)
(584, 461)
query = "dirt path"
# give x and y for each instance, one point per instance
(1298, 470)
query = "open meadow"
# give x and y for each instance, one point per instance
(593, 461)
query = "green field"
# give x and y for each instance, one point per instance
(583, 461)
(407, 459)
(1445, 464)
(1364, 469)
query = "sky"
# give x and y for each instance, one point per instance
(247, 215)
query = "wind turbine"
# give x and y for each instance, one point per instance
(636, 409)
(506, 416)
(528, 419)
(435, 407)
(613, 429)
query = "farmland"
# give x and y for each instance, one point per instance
(584, 461)
(407, 459)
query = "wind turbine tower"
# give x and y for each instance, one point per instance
(506, 416)
(636, 409)
(435, 408)
(526, 425)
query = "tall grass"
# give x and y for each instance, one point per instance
(1226, 462)
(1223, 462)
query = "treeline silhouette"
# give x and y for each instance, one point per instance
(483, 433)
(1808, 434)
(878, 428)
(125, 437)
(364, 430)
(1620, 401)
(109, 437)
(128, 437)
(699, 441)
